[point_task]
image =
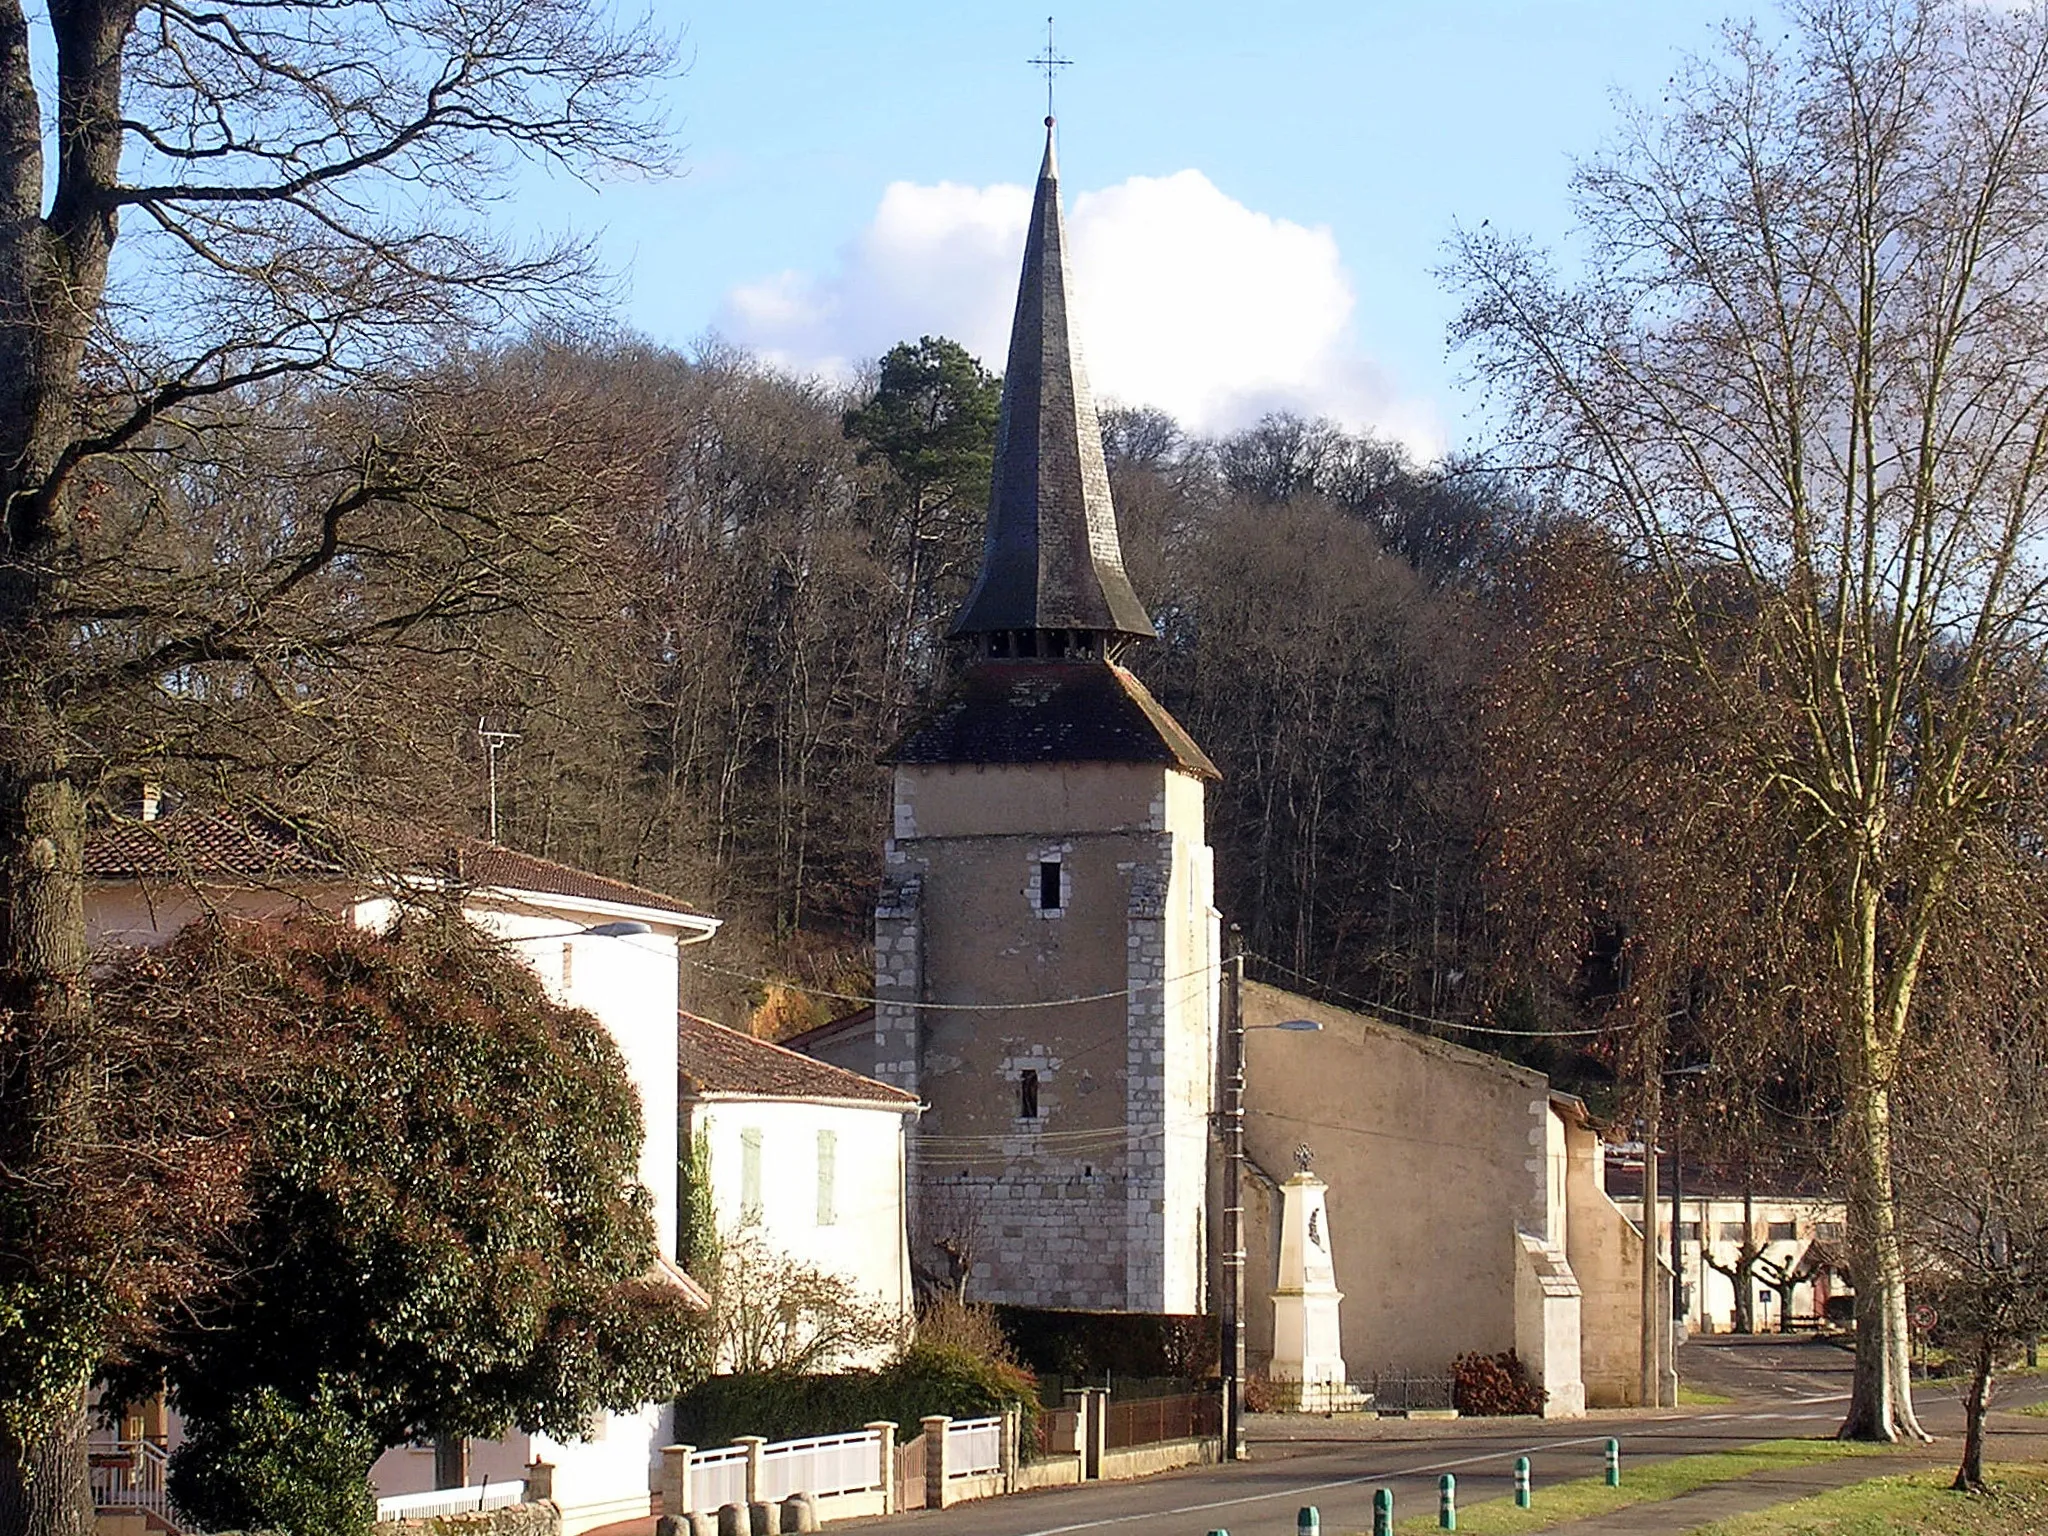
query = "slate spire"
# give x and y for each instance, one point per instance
(1052, 573)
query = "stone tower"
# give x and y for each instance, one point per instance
(1046, 944)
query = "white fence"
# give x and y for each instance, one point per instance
(450, 1501)
(129, 1474)
(718, 1478)
(823, 1466)
(974, 1447)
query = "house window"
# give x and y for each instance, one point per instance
(750, 1175)
(1049, 885)
(1733, 1231)
(1829, 1231)
(1784, 1231)
(828, 1173)
(568, 968)
(1688, 1231)
(1027, 1095)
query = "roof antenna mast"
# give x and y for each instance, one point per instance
(495, 740)
(1051, 63)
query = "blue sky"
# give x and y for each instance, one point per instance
(1260, 194)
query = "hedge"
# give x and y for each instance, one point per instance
(926, 1380)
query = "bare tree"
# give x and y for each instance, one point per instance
(300, 192)
(1808, 359)
(1974, 1196)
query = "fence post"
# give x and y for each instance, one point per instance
(753, 1443)
(1614, 1463)
(1522, 1491)
(884, 1431)
(1447, 1503)
(540, 1481)
(675, 1479)
(1098, 1429)
(1010, 1453)
(1383, 1512)
(1082, 1399)
(935, 1449)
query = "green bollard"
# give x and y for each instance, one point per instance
(1447, 1503)
(1614, 1463)
(1383, 1512)
(1521, 1482)
(1309, 1522)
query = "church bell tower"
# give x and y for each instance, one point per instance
(1046, 944)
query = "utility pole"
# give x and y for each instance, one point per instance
(1651, 1386)
(1232, 1021)
(1678, 1308)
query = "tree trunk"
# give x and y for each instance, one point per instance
(46, 1066)
(1881, 1392)
(44, 1488)
(1970, 1475)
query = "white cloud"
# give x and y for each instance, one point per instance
(1185, 299)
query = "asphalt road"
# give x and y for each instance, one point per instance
(1785, 1388)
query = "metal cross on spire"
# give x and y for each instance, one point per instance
(1051, 63)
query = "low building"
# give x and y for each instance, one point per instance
(804, 1159)
(602, 945)
(1467, 1206)
(1798, 1235)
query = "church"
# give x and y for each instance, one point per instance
(1048, 971)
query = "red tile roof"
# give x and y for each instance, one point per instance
(714, 1059)
(261, 846)
(476, 863)
(253, 845)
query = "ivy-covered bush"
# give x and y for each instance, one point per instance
(271, 1464)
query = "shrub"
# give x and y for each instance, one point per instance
(928, 1378)
(277, 1465)
(1484, 1386)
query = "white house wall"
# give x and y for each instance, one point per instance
(863, 1242)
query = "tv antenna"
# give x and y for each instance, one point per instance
(1051, 63)
(495, 740)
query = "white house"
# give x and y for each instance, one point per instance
(601, 945)
(1798, 1232)
(804, 1156)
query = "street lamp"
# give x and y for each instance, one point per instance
(1232, 1329)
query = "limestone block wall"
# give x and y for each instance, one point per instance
(1085, 1012)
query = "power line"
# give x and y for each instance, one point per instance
(898, 1002)
(1424, 1018)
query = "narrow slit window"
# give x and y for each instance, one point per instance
(750, 1174)
(1049, 885)
(1027, 1095)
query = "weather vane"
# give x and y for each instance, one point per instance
(1051, 63)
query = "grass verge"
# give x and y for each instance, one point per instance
(1700, 1397)
(1913, 1504)
(1646, 1483)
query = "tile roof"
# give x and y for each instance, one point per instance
(260, 846)
(1051, 560)
(254, 844)
(475, 863)
(1051, 712)
(714, 1059)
